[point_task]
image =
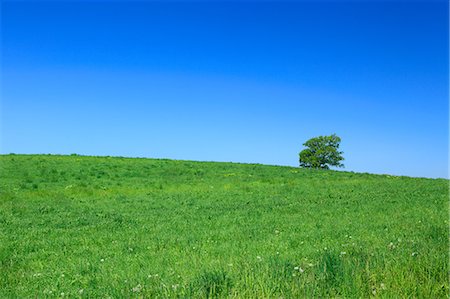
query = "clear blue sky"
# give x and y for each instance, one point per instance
(229, 81)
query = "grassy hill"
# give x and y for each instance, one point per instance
(75, 226)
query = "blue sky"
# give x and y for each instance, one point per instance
(245, 81)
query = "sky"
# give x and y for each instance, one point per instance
(239, 81)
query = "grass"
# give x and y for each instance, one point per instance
(85, 227)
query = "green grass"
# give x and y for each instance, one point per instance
(74, 226)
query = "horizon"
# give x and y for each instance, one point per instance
(233, 82)
(343, 170)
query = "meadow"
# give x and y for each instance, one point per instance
(111, 227)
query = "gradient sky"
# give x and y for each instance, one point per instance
(245, 81)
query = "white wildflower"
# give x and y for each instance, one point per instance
(137, 288)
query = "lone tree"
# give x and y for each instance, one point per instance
(321, 152)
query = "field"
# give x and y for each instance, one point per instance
(76, 226)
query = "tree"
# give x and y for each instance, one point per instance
(321, 152)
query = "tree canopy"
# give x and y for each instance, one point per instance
(321, 152)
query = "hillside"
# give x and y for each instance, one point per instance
(126, 227)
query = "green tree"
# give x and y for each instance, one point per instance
(321, 152)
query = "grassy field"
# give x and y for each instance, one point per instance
(74, 226)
